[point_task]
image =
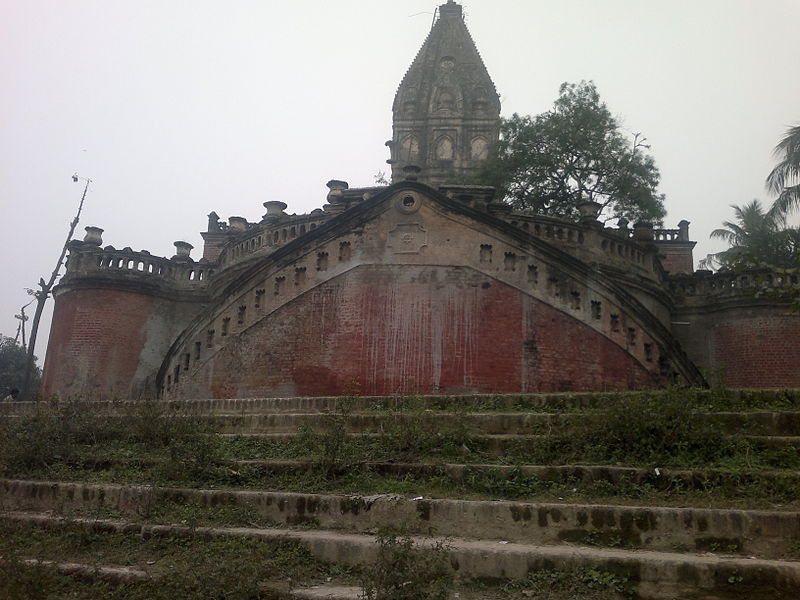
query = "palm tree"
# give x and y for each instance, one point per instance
(784, 180)
(756, 238)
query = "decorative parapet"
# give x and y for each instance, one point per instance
(87, 260)
(589, 240)
(667, 235)
(270, 236)
(232, 243)
(707, 286)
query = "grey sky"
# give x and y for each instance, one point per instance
(175, 108)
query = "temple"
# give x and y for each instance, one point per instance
(421, 286)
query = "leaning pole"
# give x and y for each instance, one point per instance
(44, 291)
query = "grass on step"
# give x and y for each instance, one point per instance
(701, 400)
(734, 491)
(183, 567)
(652, 430)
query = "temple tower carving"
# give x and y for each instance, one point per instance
(446, 110)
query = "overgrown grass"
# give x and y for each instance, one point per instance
(701, 400)
(65, 433)
(577, 584)
(169, 446)
(181, 566)
(666, 429)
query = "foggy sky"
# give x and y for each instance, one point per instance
(175, 109)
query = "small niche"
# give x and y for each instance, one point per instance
(197, 347)
(631, 336)
(345, 252)
(552, 286)
(486, 253)
(279, 284)
(299, 275)
(597, 309)
(259, 298)
(510, 261)
(533, 274)
(241, 314)
(226, 325)
(648, 352)
(210, 338)
(575, 300)
(614, 323)
(322, 261)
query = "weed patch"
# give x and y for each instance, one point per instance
(405, 571)
(578, 584)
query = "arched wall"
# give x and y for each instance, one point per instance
(414, 329)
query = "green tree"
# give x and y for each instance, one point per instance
(572, 154)
(757, 238)
(13, 358)
(784, 179)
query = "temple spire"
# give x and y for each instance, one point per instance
(446, 110)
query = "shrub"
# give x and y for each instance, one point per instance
(404, 571)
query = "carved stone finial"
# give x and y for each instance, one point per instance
(182, 250)
(275, 210)
(451, 9)
(336, 188)
(213, 221)
(683, 230)
(589, 211)
(238, 223)
(94, 236)
(643, 231)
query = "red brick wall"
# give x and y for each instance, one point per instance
(676, 260)
(415, 329)
(756, 347)
(95, 343)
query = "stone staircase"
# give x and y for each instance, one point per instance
(673, 531)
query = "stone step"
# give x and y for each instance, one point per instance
(657, 575)
(771, 423)
(128, 575)
(459, 472)
(554, 402)
(517, 423)
(753, 532)
(234, 406)
(495, 445)
(779, 485)
(491, 445)
(783, 424)
(775, 441)
(327, 592)
(105, 572)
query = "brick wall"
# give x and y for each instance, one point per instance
(676, 259)
(413, 329)
(95, 343)
(756, 348)
(747, 346)
(109, 343)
